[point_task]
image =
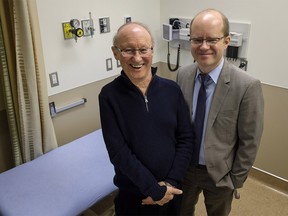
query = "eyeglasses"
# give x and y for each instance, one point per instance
(143, 52)
(209, 41)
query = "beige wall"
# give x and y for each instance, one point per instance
(81, 120)
(272, 153)
(272, 156)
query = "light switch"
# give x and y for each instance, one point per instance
(109, 64)
(118, 63)
(54, 79)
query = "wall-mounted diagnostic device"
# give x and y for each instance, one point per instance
(167, 32)
(176, 33)
(177, 30)
(235, 43)
(238, 46)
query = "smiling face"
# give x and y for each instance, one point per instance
(208, 25)
(136, 65)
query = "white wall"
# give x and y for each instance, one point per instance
(84, 62)
(267, 52)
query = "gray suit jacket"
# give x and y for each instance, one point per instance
(234, 125)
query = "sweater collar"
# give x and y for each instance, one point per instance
(128, 82)
(153, 70)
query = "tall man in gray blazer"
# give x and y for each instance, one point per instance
(233, 121)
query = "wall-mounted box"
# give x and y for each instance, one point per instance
(67, 30)
(86, 25)
(244, 29)
(104, 25)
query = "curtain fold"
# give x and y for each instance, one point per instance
(24, 79)
(6, 83)
(48, 138)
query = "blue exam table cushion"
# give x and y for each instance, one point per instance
(63, 182)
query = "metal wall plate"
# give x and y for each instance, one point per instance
(109, 65)
(67, 30)
(104, 25)
(86, 27)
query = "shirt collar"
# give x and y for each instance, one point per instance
(214, 74)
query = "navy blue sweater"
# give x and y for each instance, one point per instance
(148, 139)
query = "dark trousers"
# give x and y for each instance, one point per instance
(127, 203)
(217, 200)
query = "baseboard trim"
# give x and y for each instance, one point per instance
(269, 179)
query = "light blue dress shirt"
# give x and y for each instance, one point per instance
(210, 88)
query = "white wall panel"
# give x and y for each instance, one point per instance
(84, 62)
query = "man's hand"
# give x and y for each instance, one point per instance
(169, 195)
(148, 201)
(237, 193)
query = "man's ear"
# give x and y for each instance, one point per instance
(227, 41)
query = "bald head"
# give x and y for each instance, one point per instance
(132, 28)
(213, 17)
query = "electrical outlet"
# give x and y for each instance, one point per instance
(104, 25)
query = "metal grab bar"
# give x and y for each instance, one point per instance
(54, 110)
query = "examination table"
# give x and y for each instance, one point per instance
(63, 182)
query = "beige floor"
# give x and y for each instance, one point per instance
(257, 199)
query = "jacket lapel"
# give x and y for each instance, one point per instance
(220, 93)
(192, 90)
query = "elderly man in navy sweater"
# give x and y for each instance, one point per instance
(146, 127)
